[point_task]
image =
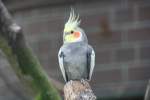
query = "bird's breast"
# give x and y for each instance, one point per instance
(75, 61)
(75, 54)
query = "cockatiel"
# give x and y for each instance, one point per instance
(76, 57)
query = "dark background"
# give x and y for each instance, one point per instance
(118, 30)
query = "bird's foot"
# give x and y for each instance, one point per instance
(71, 82)
(83, 81)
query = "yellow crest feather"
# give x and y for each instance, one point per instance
(72, 22)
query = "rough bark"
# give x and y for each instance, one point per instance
(78, 90)
(21, 58)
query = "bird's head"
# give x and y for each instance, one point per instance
(72, 31)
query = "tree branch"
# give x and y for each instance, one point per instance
(21, 58)
(147, 94)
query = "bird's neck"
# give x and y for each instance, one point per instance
(75, 43)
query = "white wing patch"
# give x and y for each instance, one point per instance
(61, 65)
(92, 64)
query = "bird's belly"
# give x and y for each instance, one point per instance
(76, 67)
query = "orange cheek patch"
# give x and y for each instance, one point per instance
(76, 34)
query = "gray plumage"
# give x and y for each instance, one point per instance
(76, 60)
(77, 57)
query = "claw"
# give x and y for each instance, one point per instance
(71, 82)
(83, 81)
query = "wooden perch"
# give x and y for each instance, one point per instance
(78, 90)
(21, 58)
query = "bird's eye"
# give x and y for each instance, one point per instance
(72, 32)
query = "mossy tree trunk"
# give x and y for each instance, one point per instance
(21, 58)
